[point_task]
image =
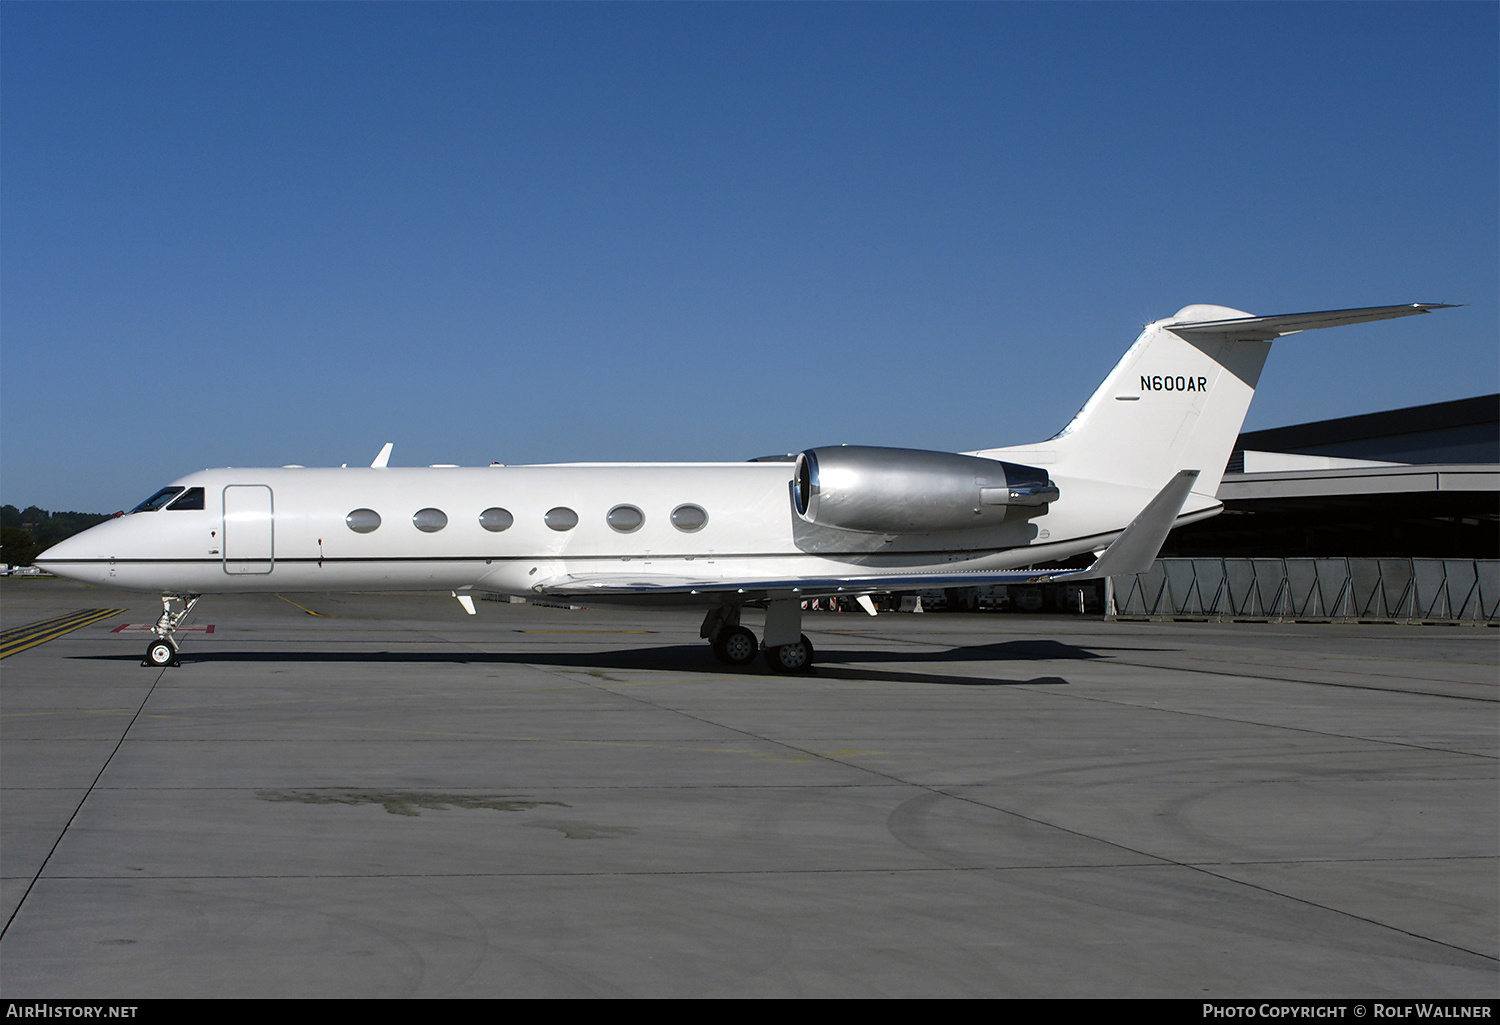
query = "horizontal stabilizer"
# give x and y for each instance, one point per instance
(1267, 328)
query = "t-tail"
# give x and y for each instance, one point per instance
(1178, 398)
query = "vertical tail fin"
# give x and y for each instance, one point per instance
(1175, 401)
(1178, 398)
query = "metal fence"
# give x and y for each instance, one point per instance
(1454, 590)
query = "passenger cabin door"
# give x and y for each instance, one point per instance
(248, 529)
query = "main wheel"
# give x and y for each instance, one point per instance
(161, 652)
(791, 658)
(735, 646)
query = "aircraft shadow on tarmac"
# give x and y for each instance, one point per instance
(690, 658)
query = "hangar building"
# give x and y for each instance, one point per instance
(1391, 515)
(1418, 482)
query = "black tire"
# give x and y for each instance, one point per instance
(161, 653)
(791, 658)
(735, 646)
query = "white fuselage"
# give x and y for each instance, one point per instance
(289, 529)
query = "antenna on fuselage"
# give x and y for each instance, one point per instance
(384, 457)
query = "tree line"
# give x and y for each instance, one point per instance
(26, 533)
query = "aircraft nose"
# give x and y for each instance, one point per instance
(76, 558)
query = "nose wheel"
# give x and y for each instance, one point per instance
(162, 651)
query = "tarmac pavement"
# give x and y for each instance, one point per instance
(379, 796)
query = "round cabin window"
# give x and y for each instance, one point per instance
(496, 519)
(689, 518)
(430, 521)
(561, 518)
(625, 518)
(363, 521)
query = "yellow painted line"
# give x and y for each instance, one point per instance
(328, 615)
(304, 608)
(585, 631)
(20, 638)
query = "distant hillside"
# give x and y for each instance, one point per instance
(26, 533)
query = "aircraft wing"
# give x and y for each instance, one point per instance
(1132, 552)
(645, 588)
(1267, 328)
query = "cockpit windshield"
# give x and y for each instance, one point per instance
(158, 500)
(192, 498)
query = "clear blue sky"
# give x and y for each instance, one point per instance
(258, 234)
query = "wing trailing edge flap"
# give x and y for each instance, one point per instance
(1132, 552)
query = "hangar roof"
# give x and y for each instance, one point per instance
(1362, 480)
(1460, 431)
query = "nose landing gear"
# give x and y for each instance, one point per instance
(162, 651)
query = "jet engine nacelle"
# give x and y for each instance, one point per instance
(909, 491)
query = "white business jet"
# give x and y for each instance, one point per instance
(1144, 454)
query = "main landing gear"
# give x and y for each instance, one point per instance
(162, 651)
(735, 645)
(796, 657)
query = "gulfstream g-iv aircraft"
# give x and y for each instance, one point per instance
(1145, 453)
